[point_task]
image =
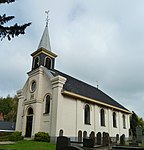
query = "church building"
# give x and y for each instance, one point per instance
(59, 104)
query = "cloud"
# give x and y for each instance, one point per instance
(94, 40)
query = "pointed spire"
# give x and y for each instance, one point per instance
(45, 40)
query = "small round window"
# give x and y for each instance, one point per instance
(33, 86)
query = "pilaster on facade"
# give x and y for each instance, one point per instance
(36, 71)
(19, 94)
(58, 81)
(110, 122)
(120, 122)
(57, 104)
(40, 84)
(128, 121)
(19, 111)
(37, 118)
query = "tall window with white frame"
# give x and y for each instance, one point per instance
(102, 117)
(114, 120)
(124, 122)
(47, 104)
(87, 114)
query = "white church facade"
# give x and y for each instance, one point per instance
(54, 102)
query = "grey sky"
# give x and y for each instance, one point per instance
(96, 40)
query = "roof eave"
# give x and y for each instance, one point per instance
(71, 94)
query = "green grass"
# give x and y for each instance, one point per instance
(29, 145)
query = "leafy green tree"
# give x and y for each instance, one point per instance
(141, 123)
(8, 106)
(136, 121)
(10, 31)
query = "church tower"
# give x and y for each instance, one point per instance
(35, 98)
(43, 56)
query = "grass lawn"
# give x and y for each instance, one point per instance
(29, 145)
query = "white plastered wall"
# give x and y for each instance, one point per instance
(41, 121)
(72, 119)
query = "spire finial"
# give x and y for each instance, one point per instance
(45, 41)
(47, 18)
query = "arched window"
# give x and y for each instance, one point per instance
(36, 62)
(47, 63)
(61, 132)
(79, 136)
(99, 138)
(30, 111)
(87, 114)
(92, 135)
(47, 104)
(102, 117)
(84, 135)
(114, 120)
(124, 122)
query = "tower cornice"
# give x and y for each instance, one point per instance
(45, 51)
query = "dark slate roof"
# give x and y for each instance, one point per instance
(6, 125)
(78, 87)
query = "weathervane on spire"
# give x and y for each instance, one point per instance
(47, 18)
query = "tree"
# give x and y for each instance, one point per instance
(136, 121)
(8, 106)
(10, 31)
(141, 123)
(133, 123)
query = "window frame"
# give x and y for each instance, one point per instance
(87, 114)
(102, 117)
(32, 87)
(38, 62)
(114, 120)
(47, 64)
(47, 104)
(124, 121)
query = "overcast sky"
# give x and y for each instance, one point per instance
(95, 40)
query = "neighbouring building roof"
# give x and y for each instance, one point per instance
(6, 125)
(81, 88)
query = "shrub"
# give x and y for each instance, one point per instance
(42, 136)
(16, 136)
(4, 136)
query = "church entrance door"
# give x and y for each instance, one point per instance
(29, 122)
(29, 126)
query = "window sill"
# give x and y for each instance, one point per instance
(87, 124)
(46, 114)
